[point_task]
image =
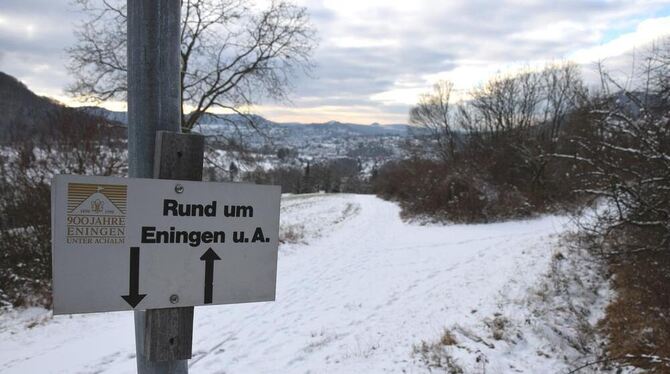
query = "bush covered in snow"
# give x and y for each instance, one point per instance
(622, 161)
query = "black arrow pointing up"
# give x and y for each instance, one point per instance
(133, 298)
(209, 257)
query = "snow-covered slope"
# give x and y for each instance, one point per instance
(357, 291)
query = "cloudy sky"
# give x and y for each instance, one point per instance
(376, 56)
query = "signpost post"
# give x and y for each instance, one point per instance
(160, 247)
(154, 104)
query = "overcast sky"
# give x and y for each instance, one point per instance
(376, 56)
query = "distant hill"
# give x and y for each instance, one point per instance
(24, 114)
(20, 108)
(115, 116)
(221, 123)
(354, 128)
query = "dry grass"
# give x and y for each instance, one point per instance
(437, 356)
(448, 338)
(292, 234)
(638, 320)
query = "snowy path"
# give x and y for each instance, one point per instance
(355, 298)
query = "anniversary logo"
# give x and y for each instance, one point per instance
(96, 213)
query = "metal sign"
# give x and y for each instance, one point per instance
(123, 244)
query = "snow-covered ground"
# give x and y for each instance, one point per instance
(358, 291)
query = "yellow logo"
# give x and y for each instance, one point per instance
(96, 213)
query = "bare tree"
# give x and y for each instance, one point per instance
(657, 69)
(521, 115)
(232, 55)
(508, 104)
(434, 113)
(563, 91)
(622, 160)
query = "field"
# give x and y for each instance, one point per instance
(361, 291)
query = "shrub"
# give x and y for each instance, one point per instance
(428, 188)
(74, 143)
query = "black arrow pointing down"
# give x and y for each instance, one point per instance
(134, 297)
(209, 257)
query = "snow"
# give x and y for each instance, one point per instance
(357, 292)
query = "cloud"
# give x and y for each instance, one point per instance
(33, 35)
(645, 33)
(385, 53)
(349, 113)
(376, 56)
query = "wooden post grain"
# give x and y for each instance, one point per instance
(165, 343)
(169, 332)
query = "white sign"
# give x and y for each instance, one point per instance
(123, 244)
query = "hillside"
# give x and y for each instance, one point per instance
(310, 141)
(360, 291)
(223, 123)
(21, 108)
(26, 114)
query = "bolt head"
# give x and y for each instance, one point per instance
(179, 188)
(174, 299)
